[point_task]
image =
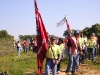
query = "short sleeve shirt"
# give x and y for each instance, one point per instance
(53, 52)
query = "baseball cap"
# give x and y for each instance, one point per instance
(76, 32)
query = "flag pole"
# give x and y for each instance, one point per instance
(69, 30)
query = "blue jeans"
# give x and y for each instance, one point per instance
(19, 50)
(50, 66)
(72, 63)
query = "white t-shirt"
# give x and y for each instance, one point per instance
(18, 45)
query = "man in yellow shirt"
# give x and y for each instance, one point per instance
(84, 48)
(83, 41)
(53, 57)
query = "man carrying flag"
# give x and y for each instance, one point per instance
(42, 39)
(69, 30)
(72, 48)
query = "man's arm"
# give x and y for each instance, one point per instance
(59, 57)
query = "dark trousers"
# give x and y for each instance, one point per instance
(80, 58)
(95, 51)
(25, 49)
(91, 53)
(59, 66)
(84, 55)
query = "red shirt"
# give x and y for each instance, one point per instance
(25, 43)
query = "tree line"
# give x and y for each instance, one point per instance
(86, 31)
(4, 35)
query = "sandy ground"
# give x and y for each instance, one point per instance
(84, 70)
(80, 72)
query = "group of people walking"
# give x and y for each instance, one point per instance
(25, 45)
(77, 48)
(85, 48)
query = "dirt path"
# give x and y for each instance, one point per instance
(84, 70)
(80, 72)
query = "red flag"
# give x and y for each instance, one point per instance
(42, 39)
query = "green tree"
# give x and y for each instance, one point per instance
(88, 30)
(22, 37)
(66, 32)
(93, 29)
(3, 34)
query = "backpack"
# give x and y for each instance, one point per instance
(69, 44)
(35, 49)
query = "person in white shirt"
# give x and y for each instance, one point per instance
(19, 48)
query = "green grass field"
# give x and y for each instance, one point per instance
(15, 65)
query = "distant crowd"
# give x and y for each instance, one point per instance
(26, 45)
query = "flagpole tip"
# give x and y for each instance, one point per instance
(66, 17)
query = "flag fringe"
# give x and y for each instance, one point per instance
(61, 22)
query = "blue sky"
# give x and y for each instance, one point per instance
(18, 16)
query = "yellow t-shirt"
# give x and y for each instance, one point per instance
(84, 42)
(91, 43)
(61, 47)
(85, 39)
(80, 41)
(53, 52)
